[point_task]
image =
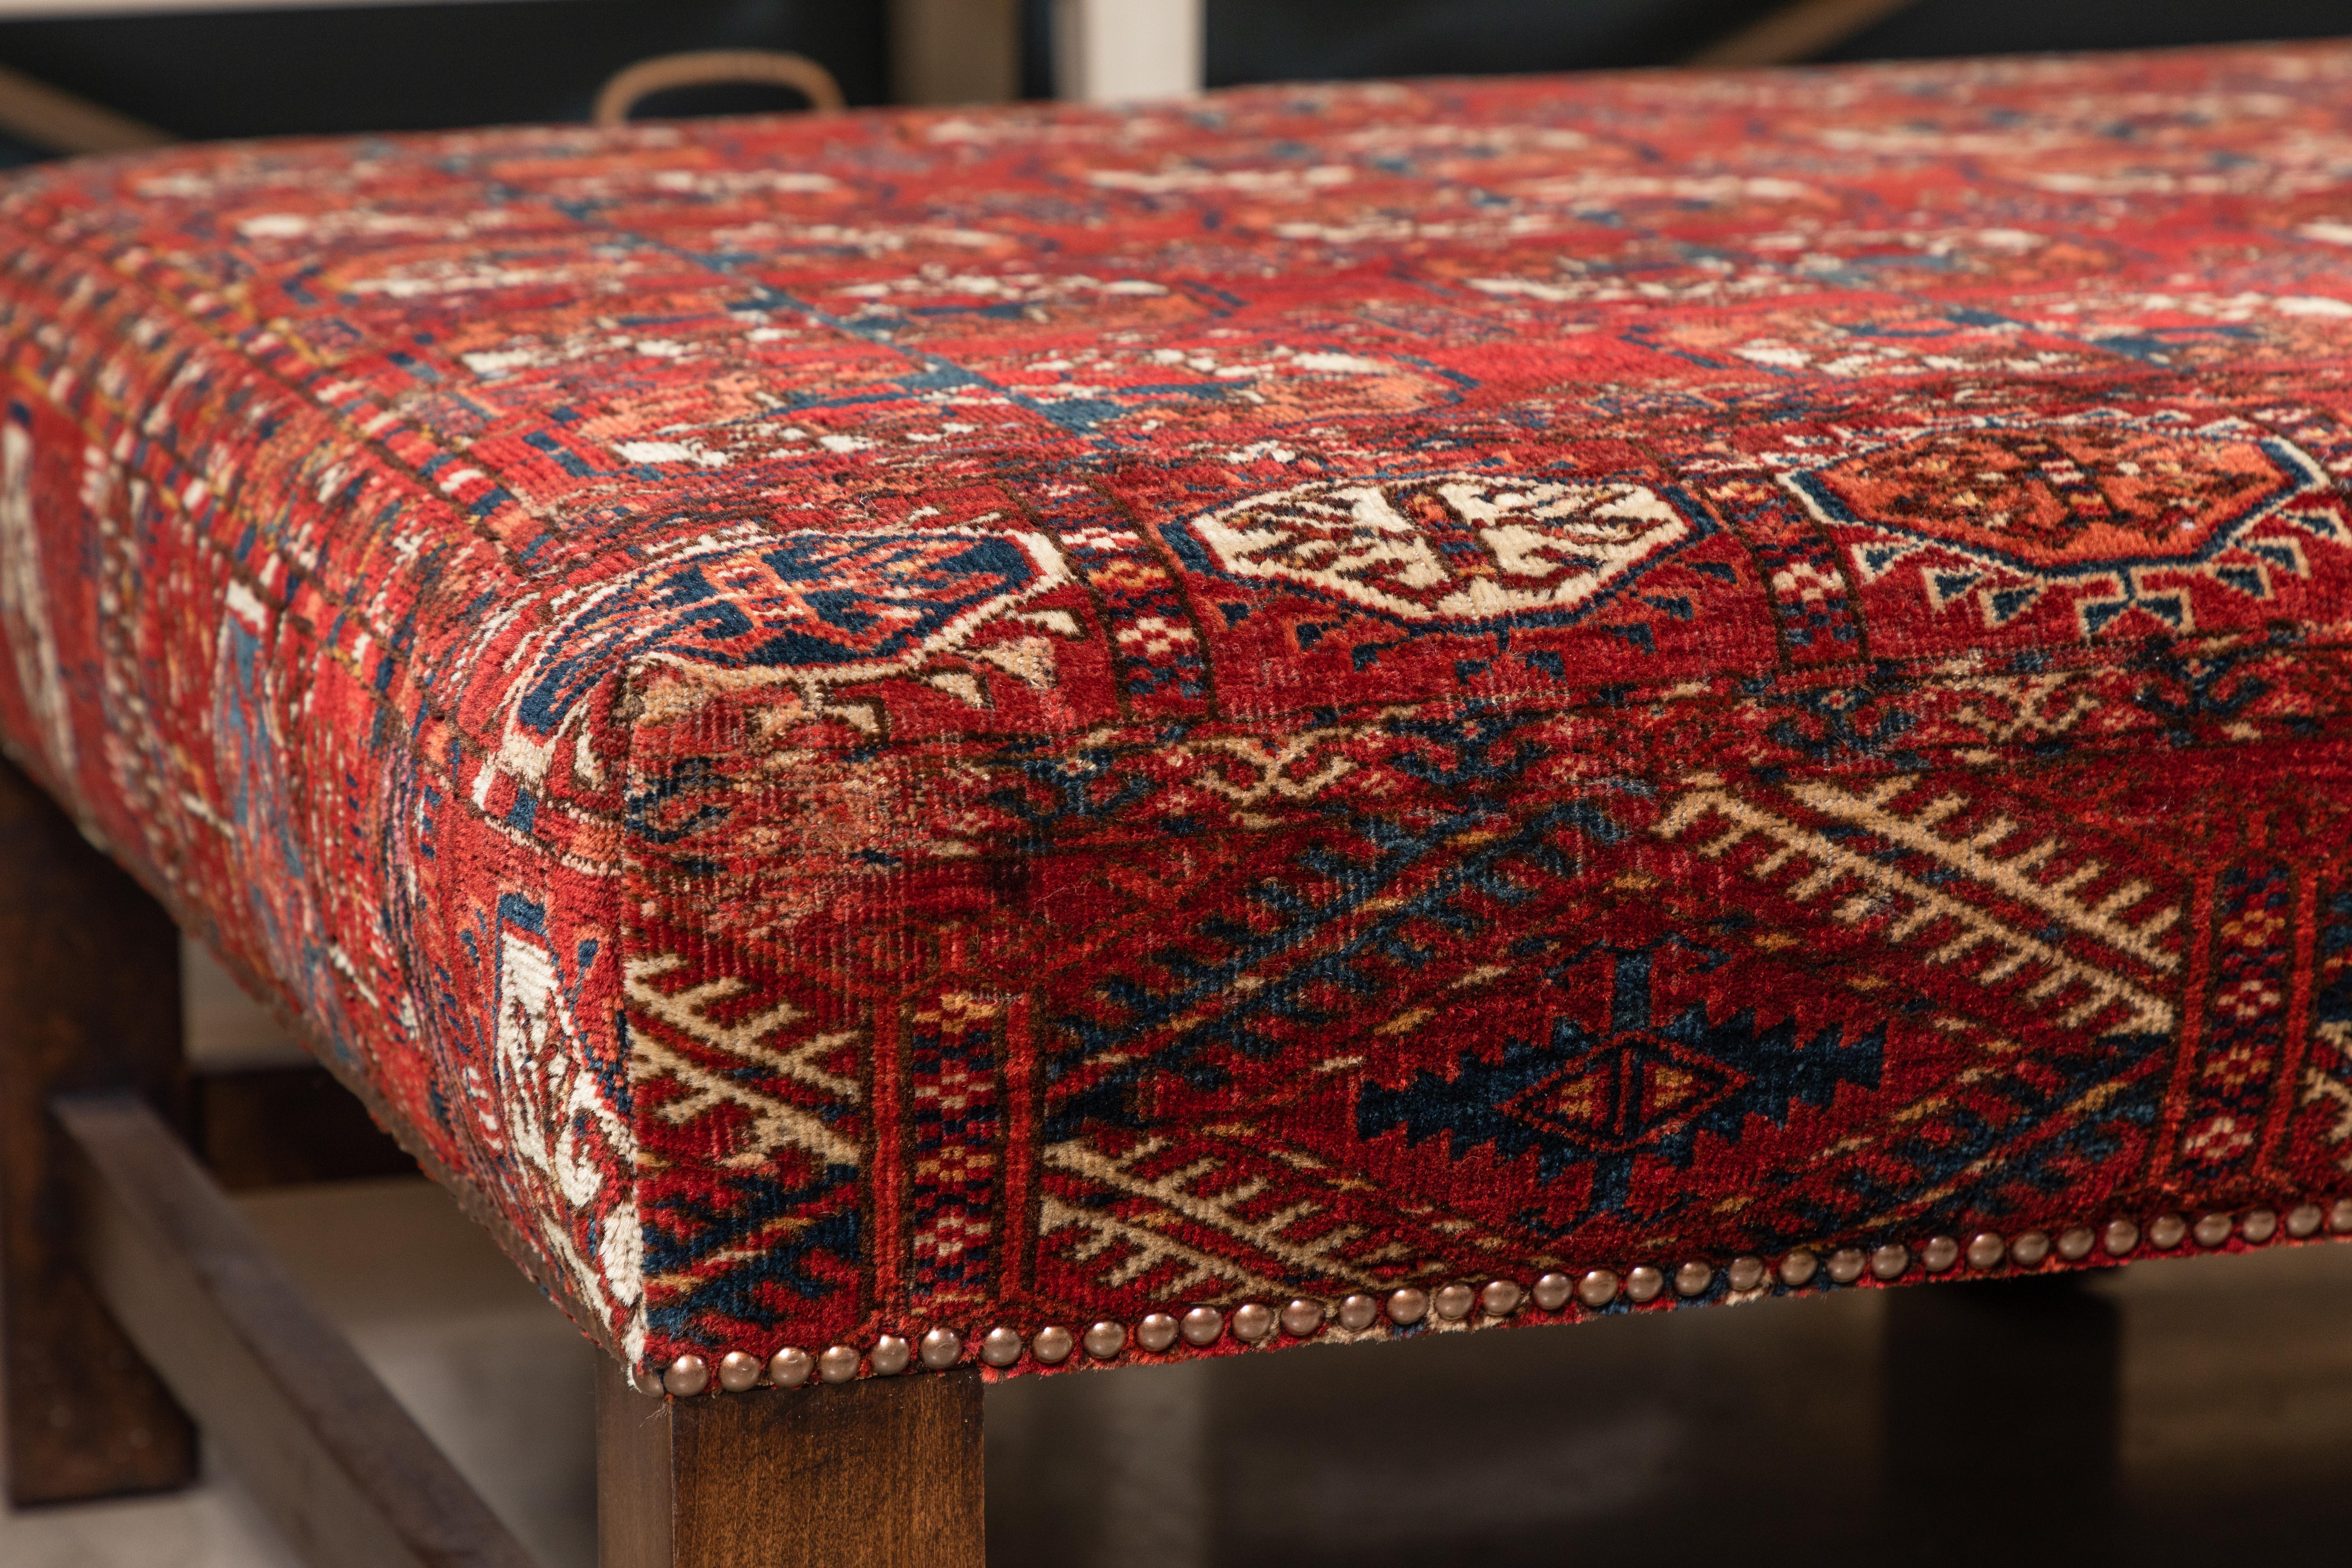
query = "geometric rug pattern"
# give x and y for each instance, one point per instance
(855, 724)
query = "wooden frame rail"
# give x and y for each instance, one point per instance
(332, 1459)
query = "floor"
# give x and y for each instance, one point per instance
(1939, 1424)
(1762, 1429)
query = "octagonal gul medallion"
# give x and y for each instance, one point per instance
(810, 607)
(1455, 549)
(2107, 512)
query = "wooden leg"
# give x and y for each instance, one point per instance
(89, 999)
(2001, 1418)
(955, 51)
(884, 1473)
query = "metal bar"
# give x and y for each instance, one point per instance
(332, 1459)
(1799, 32)
(56, 120)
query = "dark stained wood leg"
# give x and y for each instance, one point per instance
(883, 1473)
(2001, 1411)
(89, 999)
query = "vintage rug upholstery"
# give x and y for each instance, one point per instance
(1643, 688)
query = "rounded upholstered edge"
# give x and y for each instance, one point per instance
(711, 67)
(1183, 1332)
(467, 1195)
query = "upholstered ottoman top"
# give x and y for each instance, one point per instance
(1563, 694)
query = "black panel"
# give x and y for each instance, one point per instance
(1935, 27)
(1277, 40)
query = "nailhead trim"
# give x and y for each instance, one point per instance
(739, 1372)
(1493, 1300)
(1501, 1297)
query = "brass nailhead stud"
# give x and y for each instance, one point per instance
(1890, 1260)
(2211, 1229)
(1693, 1278)
(2339, 1215)
(2167, 1231)
(1986, 1250)
(645, 1382)
(1597, 1288)
(1940, 1253)
(1000, 1347)
(686, 1376)
(2030, 1248)
(1797, 1270)
(738, 1372)
(1552, 1290)
(1051, 1345)
(1358, 1313)
(1745, 1274)
(1644, 1283)
(1845, 1265)
(838, 1364)
(790, 1367)
(1501, 1297)
(1202, 1325)
(1104, 1340)
(890, 1355)
(1253, 1322)
(1156, 1333)
(2120, 1236)
(2074, 1243)
(2303, 1220)
(1451, 1301)
(1408, 1305)
(1301, 1317)
(941, 1349)
(2259, 1227)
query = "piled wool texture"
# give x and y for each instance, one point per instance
(1011, 718)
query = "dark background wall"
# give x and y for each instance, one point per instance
(417, 67)
(392, 68)
(1258, 40)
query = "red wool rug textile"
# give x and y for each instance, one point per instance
(1009, 720)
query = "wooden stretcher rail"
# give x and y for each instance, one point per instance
(334, 1460)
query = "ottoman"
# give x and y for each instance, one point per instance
(987, 743)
